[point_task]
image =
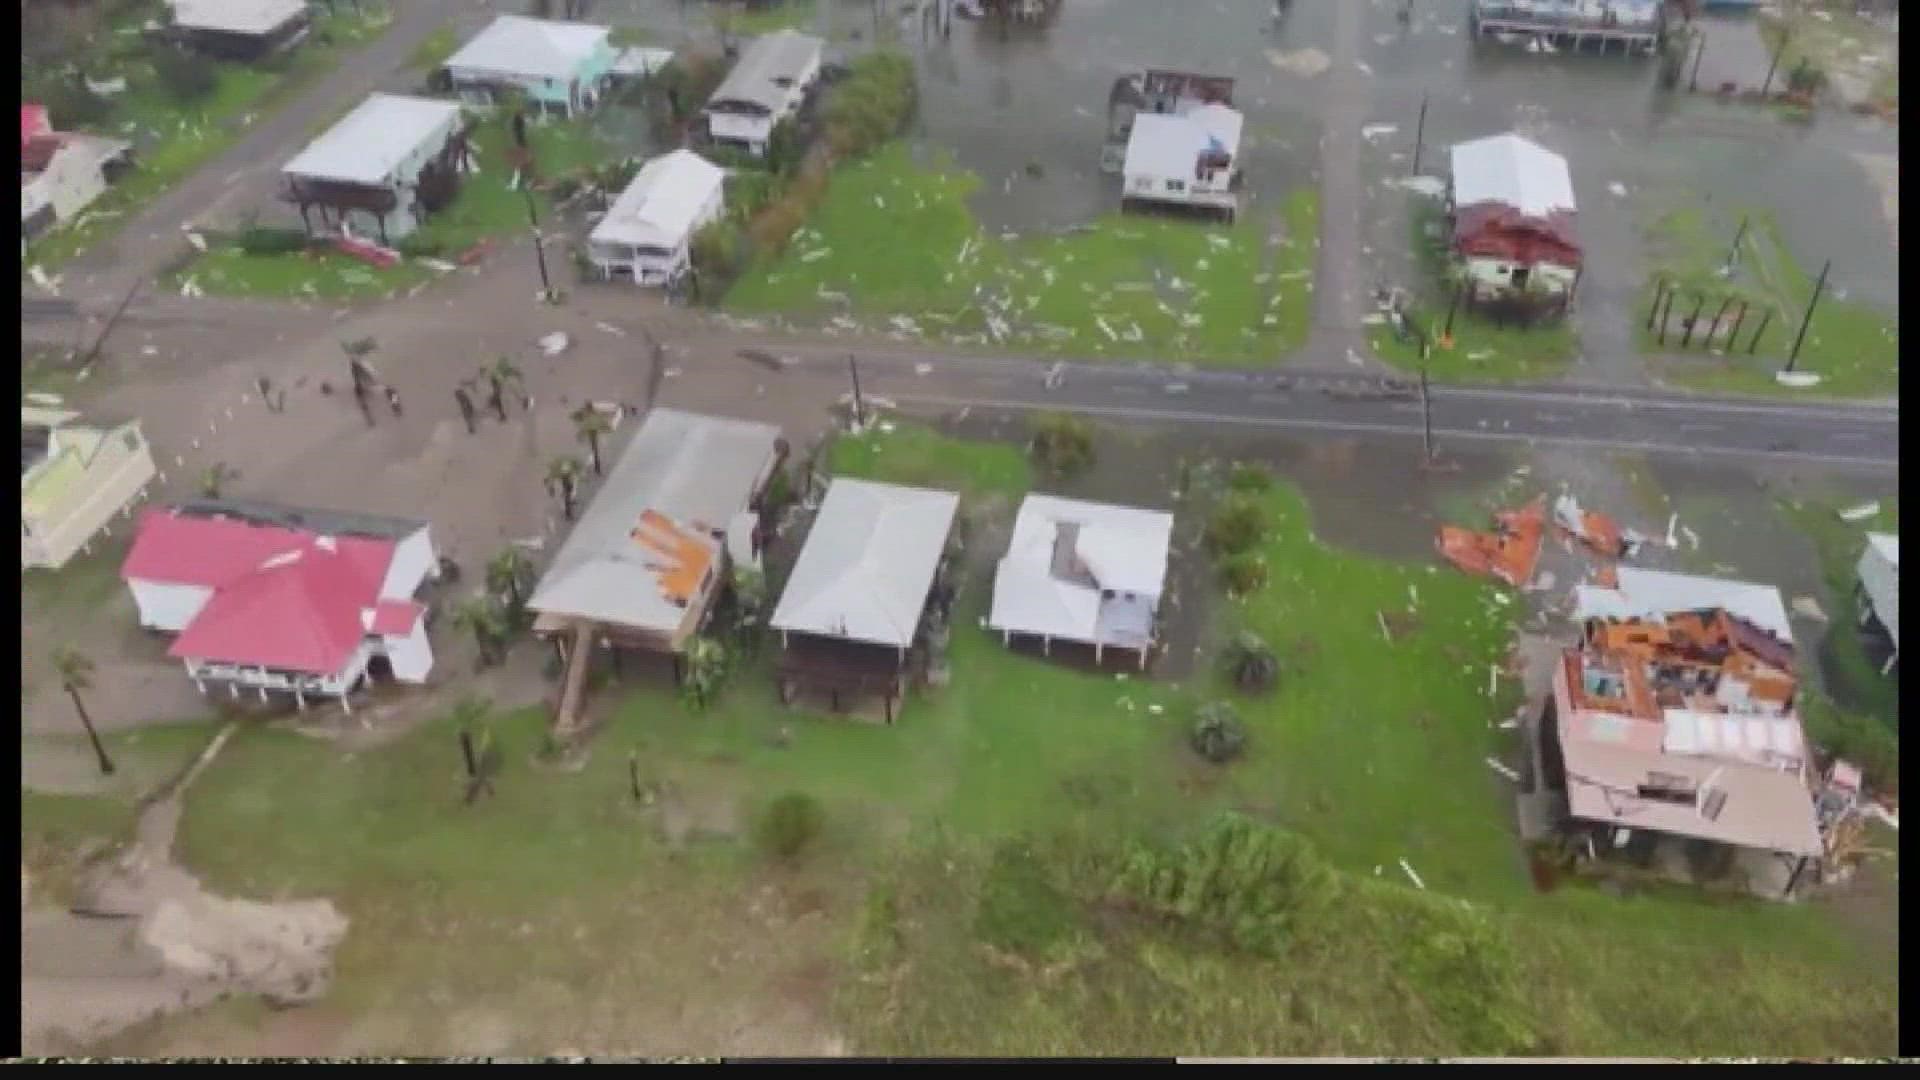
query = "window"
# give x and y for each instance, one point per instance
(1176, 185)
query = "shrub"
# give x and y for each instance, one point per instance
(270, 240)
(871, 105)
(785, 148)
(70, 104)
(789, 824)
(1244, 574)
(705, 671)
(748, 193)
(1252, 885)
(1250, 478)
(1062, 442)
(717, 253)
(184, 76)
(1237, 525)
(419, 246)
(1863, 740)
(1218, 734)
(1251, 663)
(1021, 911)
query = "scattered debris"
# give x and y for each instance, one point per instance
(1808, 606)
(1371, 132)
(1862, 512)
(555, 343)
(1617, 189)
(1503, 769)
(609, 328)
(1431, 186)
(1797, 379)
(1305, 63)
(1510, 553)
(1596, 530)
(1693, 538)
(199, 242)
(1415, 878)
(438, 266)
(108, 87)
(816, 254)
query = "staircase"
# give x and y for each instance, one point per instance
(573, 688)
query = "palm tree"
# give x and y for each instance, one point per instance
(216, 477)
(482, 616)
(506, 573)
(498, 375)
(357, 352)
(563, 478)
(76, 674)
(481, 756)
(590, 424)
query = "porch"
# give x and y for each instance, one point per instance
(846, 677)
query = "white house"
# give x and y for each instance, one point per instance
(1879, 589)
(648, 231)
(1190, 158)
(562, 67)
(1085, 572)
(302, 602)
(1513, 217)
(769, 83)
(364, 172)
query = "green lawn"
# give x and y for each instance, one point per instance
(172, 141)
(1835, 40)
(485, 207)
(1126, 286)
(432, 52)
(779, 15)
(1852, 347)
(556, 892)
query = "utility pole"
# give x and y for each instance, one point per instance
(539, 246)
(1785, 36)
(1807, 319)
(1419, 134)
(1733, 253)
(1693, 79)
(859, 406)
(1426, 413)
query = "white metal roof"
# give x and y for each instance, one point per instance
(784, 54)
(1167, 144)
(1647, 594)
(1512, 170)
(641, 60)
(1121, 548)
(1879, 571)
(517, 45)
(699, 471)
(235, 16)
(868, 563)
(659, 207)
(371, 141)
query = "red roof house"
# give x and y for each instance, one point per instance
(1513, 214)
(256, 602)
(33, 122)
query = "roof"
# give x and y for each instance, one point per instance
(659, 207)
(33, 121)
(641, 60)
(235, 16)
(393, 617)
(695, 472)
(1886, 546)
(784, 54)
(1038, 589)
(542, 48)
(1879, 571)
(175, 547)
(300, 518)
(1644, 594)
(372, 140)
(300, 610)
(868, 563)
(1514, 172)
(1164, 144)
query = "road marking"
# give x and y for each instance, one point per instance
(1551, 418)
(1701, 427)
(1361, 427)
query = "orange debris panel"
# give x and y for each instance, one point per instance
(683, 558)
(1510, 552)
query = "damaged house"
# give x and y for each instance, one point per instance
(1673, 735)
(1512, 235)
(382, 169)
(1632, 26)
(1175, 139)
(75, 474)
(62, 172)
(1083, 572)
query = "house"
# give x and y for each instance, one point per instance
(1083, 572)
(239, 29)
(1673, 722)
(1187, 158)
(642, 564)
(283, 600)
(376, 172)
(1577, 25)
(647, 233)
(1513, 221)
(62, 172)
(74, 476)
(1878, 591)
(773, 78)
(561, 67)
(852, 608)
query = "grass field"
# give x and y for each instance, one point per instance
(1125, 286)
(1852, 347)
(962, 897)
(171, 141)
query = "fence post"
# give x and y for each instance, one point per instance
(1765, 318)
(1666, 313)
(1659, 294)
(1714, 326)
(1733, 335)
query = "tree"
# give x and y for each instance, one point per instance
(184, 76)
(1218, 734)
(76, 674)
(482, 616)
(590, 425)
(789, 824)
(706, 669)
(506, 575)
(216, 477)
(357, 367)
(563, 479)
(499, 375)
(1237, 525)
(1062, 442)
(1244, 573)
(477, 749)
(1252, 663)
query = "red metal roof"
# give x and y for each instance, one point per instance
(33, 121)
(301, 613)
(181, 549)
(395, 617)
(1498, 231)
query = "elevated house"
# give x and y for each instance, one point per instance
(640, 569)
(1189, 159)
(238, 29)
(853, 608)
(1877, 592)
(773, 78)
(1512, 225)
(1083, 572)
(381, 170)
(1673, 733)
(1631, 26)
(75, 474)
(647, 234)
(280, 600)
(1157, 92)
(561, 68)
(62, 172)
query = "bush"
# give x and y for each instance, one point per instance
(1244, 574)
(1250, 478)
(1252, 885)
(748, 193)
(789, 824)
(1237, 525)
(1062, 442)
(184, 76)
(1218, 734)
(1251, 663)
(871, 105)
(70, 104)
(706, 667)
(418, 246)
(1863, 740)
(717, 253)
(270, 240)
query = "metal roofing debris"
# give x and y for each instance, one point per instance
(371, 141)
(1509, 553)
(868, 563)
(517, 45)
(1861, 512)
(1646, 594)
